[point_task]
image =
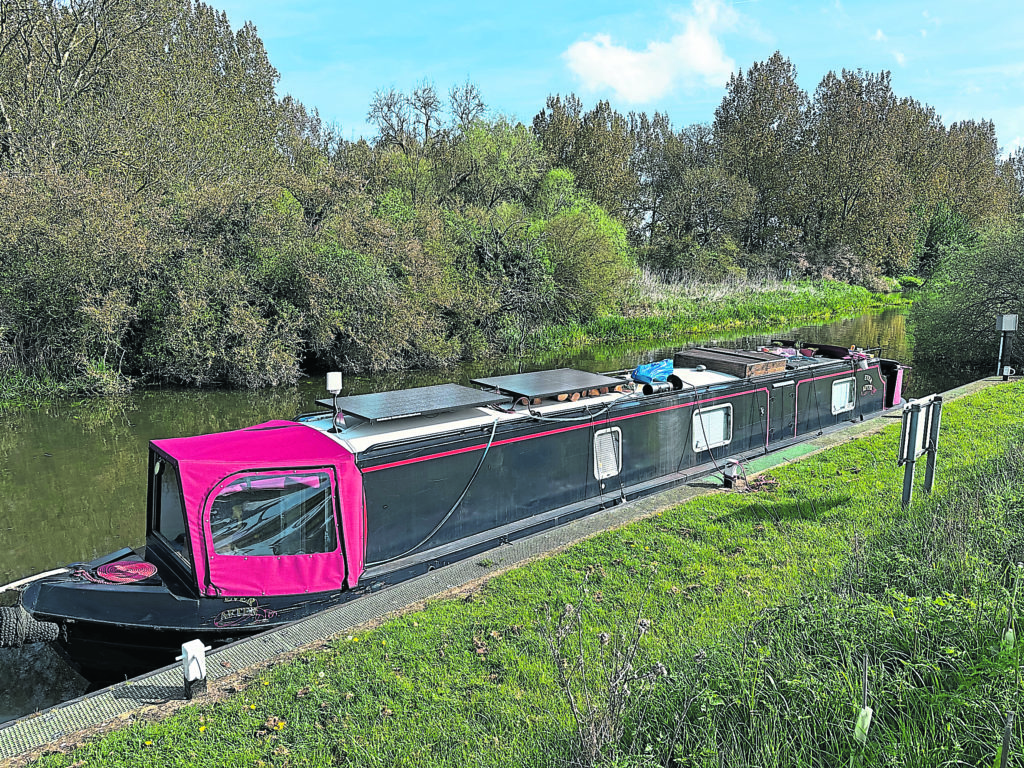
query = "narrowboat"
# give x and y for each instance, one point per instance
(257, 527)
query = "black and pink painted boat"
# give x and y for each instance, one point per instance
(257, 527)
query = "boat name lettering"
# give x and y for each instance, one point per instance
(250, 614)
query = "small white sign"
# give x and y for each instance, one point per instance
(1007, 323)
(913, 445)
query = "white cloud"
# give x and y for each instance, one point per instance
(900, 57)
(879, 35)
(693, 57)
(924, 33)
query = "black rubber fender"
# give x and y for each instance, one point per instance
(17, 628)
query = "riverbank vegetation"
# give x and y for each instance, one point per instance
(167, 216)
(746, 617)
(678, 309)
(955, 312)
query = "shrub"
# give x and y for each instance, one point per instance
(909, 282)
(954, 319)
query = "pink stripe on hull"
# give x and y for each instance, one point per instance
(586, 425)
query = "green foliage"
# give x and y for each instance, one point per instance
(955, 315)
(214, 327)
(165, 216)
(74, 269)
(909, 282)
(945, 231)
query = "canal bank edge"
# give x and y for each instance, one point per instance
(160, 693)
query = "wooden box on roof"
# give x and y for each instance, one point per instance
(732, 361)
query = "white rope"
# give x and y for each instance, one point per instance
(30, 579)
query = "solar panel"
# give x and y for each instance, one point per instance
(418, 401)
(547, 383)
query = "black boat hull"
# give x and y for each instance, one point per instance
(446, 496)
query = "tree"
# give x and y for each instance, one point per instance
(596, 146)
(1012, 172)
(970, 180)
(489, 162)
(857, 192)
(585, 247)
(56, 58)
(653, 143)
(758, 128)
(466, 104)
(955, 319)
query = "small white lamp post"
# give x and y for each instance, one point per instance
(334, 387)
(1006, 325)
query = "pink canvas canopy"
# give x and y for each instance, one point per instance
(210, 464)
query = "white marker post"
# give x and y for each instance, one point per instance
(863, 724)
(193, 666)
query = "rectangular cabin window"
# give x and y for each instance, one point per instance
(264, 514)
(169, 520)
(607, 453)
(844, 394)
(712, 427)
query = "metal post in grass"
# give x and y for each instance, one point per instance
(933, 442)
(911, 421)
(919, 435)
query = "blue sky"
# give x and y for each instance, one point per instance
(964, 59)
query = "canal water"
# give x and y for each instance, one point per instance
(73, 476)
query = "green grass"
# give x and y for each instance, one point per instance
(761, 605)
(659, 310)
(926, 599)
(21, 390)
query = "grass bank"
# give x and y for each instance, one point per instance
(759, 607)
(655, 309)
(21, 390)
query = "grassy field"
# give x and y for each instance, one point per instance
(743, 618)
(660, 310)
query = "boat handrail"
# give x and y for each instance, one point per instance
(29, 579)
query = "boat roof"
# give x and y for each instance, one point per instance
(418, 401)
(365, 435)
(270, 444)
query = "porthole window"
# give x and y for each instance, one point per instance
(607, 453)
(712, 427)
(844, 395)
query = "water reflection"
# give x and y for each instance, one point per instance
(35, 677)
